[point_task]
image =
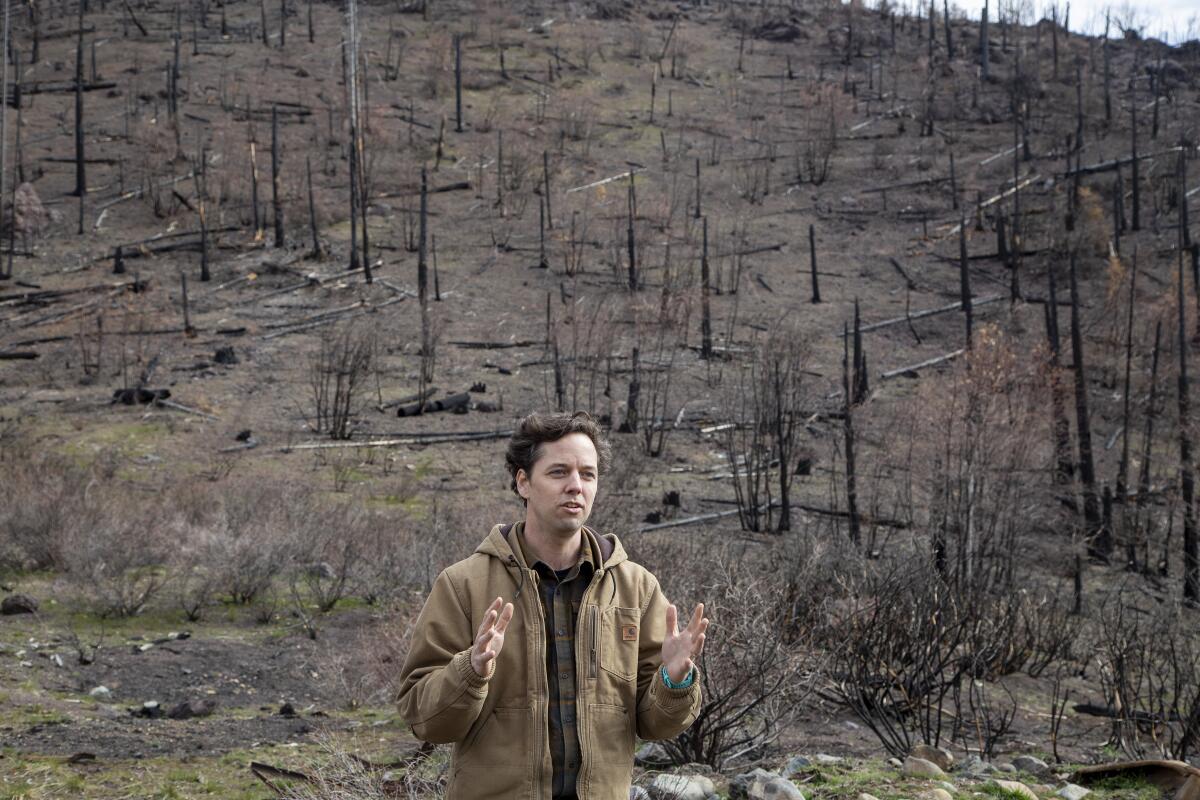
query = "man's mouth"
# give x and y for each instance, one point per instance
(573, 507)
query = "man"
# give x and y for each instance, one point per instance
(545, 695)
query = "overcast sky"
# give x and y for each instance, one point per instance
(1173, 21)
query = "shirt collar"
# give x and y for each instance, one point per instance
(584, 562)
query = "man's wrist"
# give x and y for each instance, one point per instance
(685, 683)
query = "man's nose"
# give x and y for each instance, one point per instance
(575, 483)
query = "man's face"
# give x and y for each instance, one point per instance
(562, 485)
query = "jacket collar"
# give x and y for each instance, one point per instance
(606, 549)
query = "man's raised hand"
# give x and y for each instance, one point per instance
(489, 639)
(681, 646)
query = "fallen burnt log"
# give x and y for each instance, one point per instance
(458, 403)
(19, 355)
(139, 396)
(47, 87)
(1176, 779)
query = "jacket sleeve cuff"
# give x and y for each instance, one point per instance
(462, 663)
(669, 697)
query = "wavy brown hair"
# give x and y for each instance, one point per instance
(538, 428)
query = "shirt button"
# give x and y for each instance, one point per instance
(562, 631)
(570, 765)
(562, 676)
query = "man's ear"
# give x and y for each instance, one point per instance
(522, 484)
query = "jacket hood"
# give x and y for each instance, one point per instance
(606, 548)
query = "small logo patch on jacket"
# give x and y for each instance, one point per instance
(629, 633)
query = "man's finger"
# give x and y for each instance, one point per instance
(505, 617)
(699, 646)
(672, 620)
(489, 619)
(697, 615)
(484, 639)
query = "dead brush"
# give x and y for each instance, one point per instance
(339, 774)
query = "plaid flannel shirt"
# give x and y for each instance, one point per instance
(561, 592)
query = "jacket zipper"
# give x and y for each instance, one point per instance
(595, 640)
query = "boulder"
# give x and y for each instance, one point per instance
(149, 709)
(18, 604)
(1073, 791)
(915, 767)
(938, 793)
(681, 787)
(1032, 765)
(976, 766)
(652, 755)
(795, 765)
(1006, 768)
(101, 693)
(938, 755)
(1016, 788)
(188, 709)
(759, 784)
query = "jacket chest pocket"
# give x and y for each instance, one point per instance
(620, 630)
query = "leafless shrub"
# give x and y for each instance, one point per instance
(338, 373)
(1150, 676)
(119, 565)
(367, 671)
(895, 654)
(756, 679)
(47, 501)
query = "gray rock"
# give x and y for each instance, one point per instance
(895, 762)
(920, 768)
(188, 709)
(149, 709)
(826, 760)
(1007, 768)
(948, 786)
(1016, 788)
(794, 766)
(101, 693)
(759, 784)
(681, 787)
(1032, 765)
(739, 785)
(976, 766)
(1072, 791)
(938, 755)
(938, 793)
(18, 604)
(652, 755)
(865, 796)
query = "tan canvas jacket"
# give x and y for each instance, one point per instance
(498, 724)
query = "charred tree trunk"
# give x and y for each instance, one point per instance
(423, 278)
(812, 261)
(630, 425)
(964, 280)
(1137, 201)
(546, 186)
(1142, 536)
(1087, 464)
(632, 243)
(1123, 467)
(706, 350)
(848, 440)
(312, 210)
(984, 55)
(276, 200)
(458, 115)
(1065, 465)
(698, 189)
(80, 176)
